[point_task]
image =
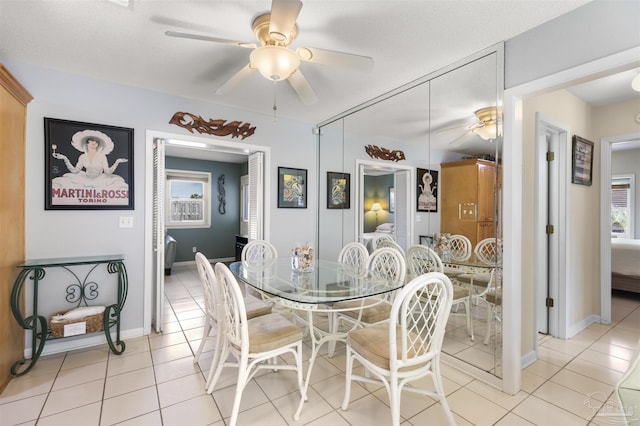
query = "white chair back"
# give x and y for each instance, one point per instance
(460, 247)
(389, 263)
(379, 238)
(421, 260)
(420, 313)
(355, 255)
(233, 313)
(209, 286)
(392, 244)
(487, 250)
(258, 250)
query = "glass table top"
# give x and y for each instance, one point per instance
(327, 282)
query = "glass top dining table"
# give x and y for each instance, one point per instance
(314, 291)
(327, 282)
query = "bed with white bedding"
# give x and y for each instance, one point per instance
(384, 228)
(625, 264)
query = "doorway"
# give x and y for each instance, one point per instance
(202, 148)
(550, 225)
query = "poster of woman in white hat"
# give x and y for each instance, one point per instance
(89, 166)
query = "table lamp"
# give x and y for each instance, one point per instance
(376, 207)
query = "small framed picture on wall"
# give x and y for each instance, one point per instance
(338, 190)
(292, 188)
(427, 190)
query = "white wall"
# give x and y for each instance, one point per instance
(80, 233)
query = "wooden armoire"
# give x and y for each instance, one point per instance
(13, 114)
(468, 196)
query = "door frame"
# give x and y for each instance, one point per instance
(542, 270)
(605, 221)
(214, 145)
(359, 190)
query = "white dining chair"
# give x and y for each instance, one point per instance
(421, 260)
(460, 249)
(407, 347)
(378, 239)
(254, 308)
(354, 255)
(386, 263)
(255, 343)
(392, 244)
(258, 250)
(488, 283)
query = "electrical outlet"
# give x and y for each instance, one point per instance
(195, 250)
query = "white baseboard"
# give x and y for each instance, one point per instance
(528, 359)
(81, 342)
(578, 327)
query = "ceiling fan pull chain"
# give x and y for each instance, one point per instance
(275, 108)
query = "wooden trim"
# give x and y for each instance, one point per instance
(12, 85)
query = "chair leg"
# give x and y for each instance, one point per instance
(394, 401)
(240, 384)
(347, 387)
(467, 307)
(490, 314)
(437, 383)
(205, 335)
(217, 359)
(211, 383)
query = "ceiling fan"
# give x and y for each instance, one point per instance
(486, 126)
(274, 59)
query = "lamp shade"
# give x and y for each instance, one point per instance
(376, 207)
(275, 62)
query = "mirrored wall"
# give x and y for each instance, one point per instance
(422, 161)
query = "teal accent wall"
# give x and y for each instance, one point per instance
(376, 190)
(219, 240)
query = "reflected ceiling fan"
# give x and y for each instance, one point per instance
(486, 126)
(272, 57)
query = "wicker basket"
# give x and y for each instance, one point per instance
(94, 323)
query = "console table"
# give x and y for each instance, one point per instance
(78, 293)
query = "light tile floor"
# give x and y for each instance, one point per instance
(155, 382)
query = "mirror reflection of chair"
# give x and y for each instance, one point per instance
(421, 260)
(211, 291)
(407, 347)
(489, 283)
(254, 343)
(379, 238)
(460, 249)
(390, 243)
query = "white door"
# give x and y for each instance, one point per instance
(256, 196)
(402, 184)
(158, 234)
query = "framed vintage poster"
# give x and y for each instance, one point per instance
(88, 166)
(582, 164)
(427, 190)
(338, 190)
(292, 188)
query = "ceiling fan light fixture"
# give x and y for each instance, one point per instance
(275, 62)
(635, 83)
(486, 132)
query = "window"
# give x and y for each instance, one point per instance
(188, 202)
(622, 213)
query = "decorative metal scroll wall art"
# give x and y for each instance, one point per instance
(219, 127)
(384, 154)
(222, 201)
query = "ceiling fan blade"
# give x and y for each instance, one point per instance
(283, 18)
(302, 88)
(209, 38)
(458, 140)
(245, 72)
(331, 57)
(469, 127)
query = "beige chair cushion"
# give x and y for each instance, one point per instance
(370, 315)
(373, 344)
(492, 298)
(460, 292)
(271, 331)
(481, 279)
(255, 307)
(453, 272)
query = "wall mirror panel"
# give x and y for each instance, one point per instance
(446, 132)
